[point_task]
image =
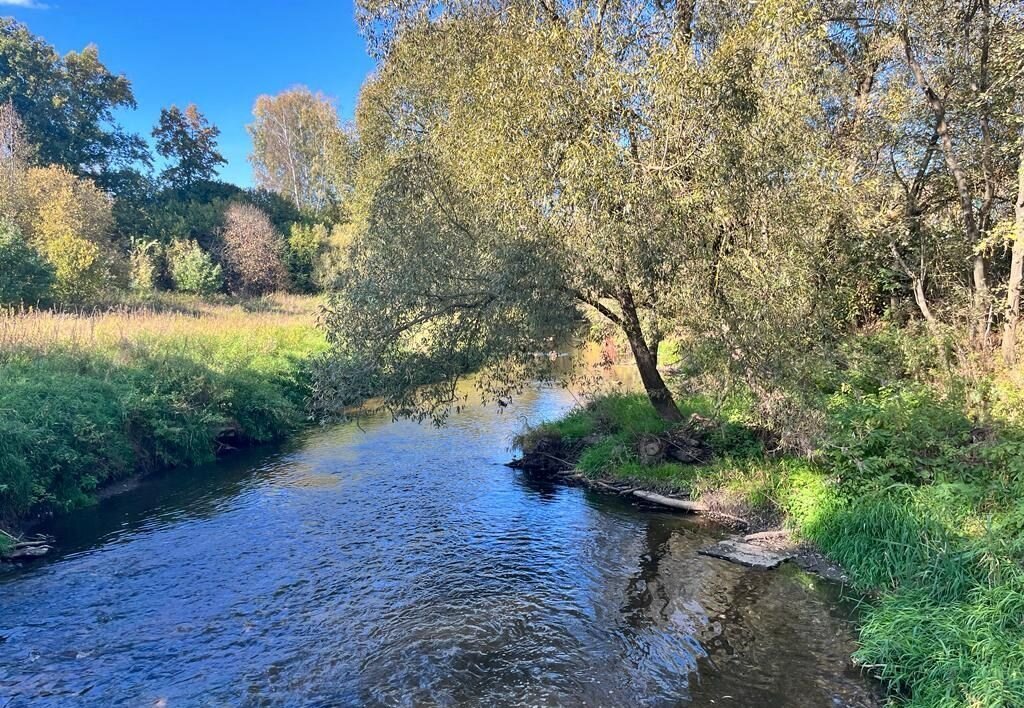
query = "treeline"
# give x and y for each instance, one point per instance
(754, 181)
(89, 212)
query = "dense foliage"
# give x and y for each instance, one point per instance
(89, 203)
(25, 278)
(753, 181)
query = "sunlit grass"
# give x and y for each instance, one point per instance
(92, 397)
(926, 519)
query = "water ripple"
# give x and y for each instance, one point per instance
(402, 566)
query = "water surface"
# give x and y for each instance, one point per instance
(394, 564)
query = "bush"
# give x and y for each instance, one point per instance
(25, 278)
(192, 270)
(67, 220)
(306, 242)
(253, 253)
(904, 435)
(145, 266)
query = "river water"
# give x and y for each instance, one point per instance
(393, 564)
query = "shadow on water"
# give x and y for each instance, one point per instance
(400, 564)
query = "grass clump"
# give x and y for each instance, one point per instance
(92, 398)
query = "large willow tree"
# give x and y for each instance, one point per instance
(525, 162)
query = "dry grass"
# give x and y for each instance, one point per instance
(90, 397)
(166, 317)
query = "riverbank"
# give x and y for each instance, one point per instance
(93, 398)
(917, 503)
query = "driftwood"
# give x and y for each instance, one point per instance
(25, 549)
(767, 535)
(684, 504)
(687, 505)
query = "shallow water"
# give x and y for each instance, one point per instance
(399, 564)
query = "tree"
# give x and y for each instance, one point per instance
(67, 103)
(935, 129)
(524, 163)
(189, 141)
(300, 150)
(306, 245)
(1012, 315)
(67, 220)
(14, 160)
(252, 251)
(25, 278)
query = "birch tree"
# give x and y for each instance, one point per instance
(300, 149)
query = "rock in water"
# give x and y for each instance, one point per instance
(745, 554)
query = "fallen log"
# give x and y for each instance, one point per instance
(767, 535)
(687, 505)
(21, 549)
(684, 504)
(25, 551)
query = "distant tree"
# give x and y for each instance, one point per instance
(189, 141)
(252, 251)
(67, 220)
(25, 278)
(14, 158)
(306, 244)
(300, 149)
(192, 270)
(67, 103)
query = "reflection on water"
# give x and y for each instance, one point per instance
(404, 565)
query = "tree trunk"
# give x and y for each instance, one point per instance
(917, 283)
(647, 363)
(963, 190)
(1016, 275)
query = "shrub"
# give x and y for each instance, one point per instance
(898, 435)
(67, 220)
(24, 276)
(305, 244)
(192, 269)
(145, 266)
(252, 251)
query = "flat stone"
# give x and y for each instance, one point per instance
(745, 554)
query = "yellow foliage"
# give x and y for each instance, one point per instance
(67, 219)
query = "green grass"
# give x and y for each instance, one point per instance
(88, 400)
(921, 506)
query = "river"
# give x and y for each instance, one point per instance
(394, 564)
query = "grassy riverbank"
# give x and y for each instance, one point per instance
(917, 500)
(88, 399)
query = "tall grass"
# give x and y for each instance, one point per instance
(91, 397)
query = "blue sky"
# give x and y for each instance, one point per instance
(217, 54)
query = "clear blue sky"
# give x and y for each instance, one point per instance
(218, 54)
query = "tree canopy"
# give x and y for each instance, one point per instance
(66, 103)
(301, 150)
(189, 141)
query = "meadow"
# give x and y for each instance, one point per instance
(93, 396)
